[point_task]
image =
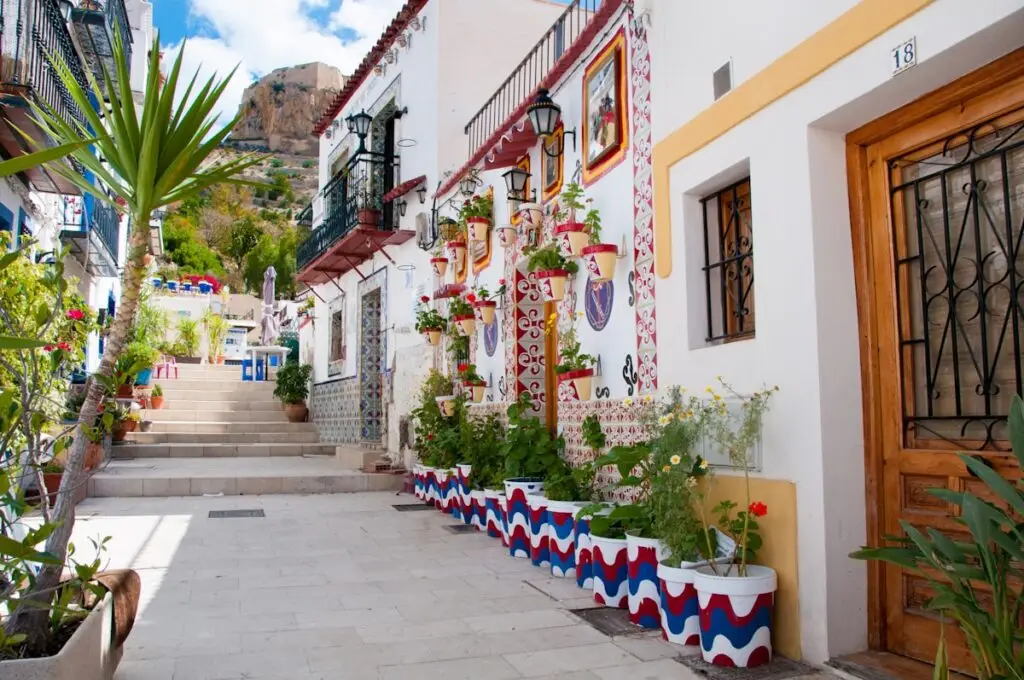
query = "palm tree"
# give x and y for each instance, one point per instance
(152, 160)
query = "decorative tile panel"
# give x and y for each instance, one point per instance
(334, 409)
(620, 424)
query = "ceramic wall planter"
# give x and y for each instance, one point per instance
(503, 511)
(465, 502)
(584, 553)
(600, 261)
(92, 653)
(478, 228)
(582, 382)
(642, 558)
(680, 623)
(540, 554)
(611, 572)
(552, 283)
(736, 616)
(517, 491)
(562, 537)
(433, 336)
(458, 249)
(466, 322)
(507, 236)
(479, 504)
(476, 391)
(487, 310)
(532, 214)
(439, 265)
(573, 236)
(492, 520)
(446, 404)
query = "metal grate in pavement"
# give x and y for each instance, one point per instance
(779, 669)
(611, 622)
(461, 529)
(412, 507)
(234, 514)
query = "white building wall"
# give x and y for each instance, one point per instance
(807, 333)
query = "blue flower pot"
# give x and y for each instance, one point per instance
(145, 377)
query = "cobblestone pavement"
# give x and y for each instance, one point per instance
(345, 587)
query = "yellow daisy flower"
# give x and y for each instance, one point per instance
(703, 465)
(666, 468)
(628, 401)
(675, 460)
(648, 399)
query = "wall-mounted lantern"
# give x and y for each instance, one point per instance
(545, 115)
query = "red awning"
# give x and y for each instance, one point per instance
(348, 252)
(404, 188)
(511, 146)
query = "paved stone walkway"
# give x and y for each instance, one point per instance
(345, 587)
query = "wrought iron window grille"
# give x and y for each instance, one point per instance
(729, 263)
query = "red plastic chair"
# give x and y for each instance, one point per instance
(165, 366)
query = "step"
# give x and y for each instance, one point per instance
(224, 438)
(217, 416)
(269, 404)
(215, 476)
(181, 397)
(228, 427)
(356, 458)
(216, 384)
(131, 451)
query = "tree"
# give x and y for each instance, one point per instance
(244, 236)
(151, 161)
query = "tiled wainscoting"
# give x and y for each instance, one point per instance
(334, 409)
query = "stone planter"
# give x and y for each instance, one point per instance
(552, 283)
(582, 382)
(492, 518)
(540, 554)
(487, 310)
(439, 265)
(433, 336)
(600, 261)
(479, 508)
(611, 572)
(573, 236)
(516, 491)
(562, 537)
(458, 249)
(642, 558)
(476, 391)
(92, 652)
(467, 323)
(446, 404)
(478, 228)
(507, 236)
(465, 502)
(736, 616)
(503, 511)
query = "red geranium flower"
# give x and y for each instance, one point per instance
(49, 348)
(64, 346)
(471, 297)
(76, 314)
(463, 368)
(430, 437)
(501, 282)
(758, 509)
(424, 299)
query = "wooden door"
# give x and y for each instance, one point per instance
(938, 205)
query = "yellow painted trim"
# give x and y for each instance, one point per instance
(849, 32)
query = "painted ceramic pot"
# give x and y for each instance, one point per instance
(492, 520)
(441, 501)
(507, 236)
(458, 248)
(736, 616)
(454, 494)
(642, 558)
(433, 336)
(467, 323)
(600, 261)
(584, 553)
(540, 554)
(532, 215)
(446, 404)
(478, 228)
(429, 483)
(487, 310)
(680, 623)
(417, 481)
(517, 490)
(503, 509)
(562, 537)
(552, 283)
(476, 391)
(465, 502)
(573, 236)
(439, 265)
(611, 572)
(582, 382)
(479, 509)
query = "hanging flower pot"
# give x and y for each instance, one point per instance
(611, 571)
(562, 537)
(486, 309)
(476, 390)
(516, 490)
(446, 404)
(736, 616)
(573, 236)
(581, 380)
(433, 336)
(439, 265)
(540, 553)
(492, 518)
(600, 261)
(642, 558)
(459, 249)
(532, 215)
(552, 283)
(507, 236)
(467, 323)
(478, 228)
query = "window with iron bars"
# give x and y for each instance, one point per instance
(729, 263)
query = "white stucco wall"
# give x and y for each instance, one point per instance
(807, 333)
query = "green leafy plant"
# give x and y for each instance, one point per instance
(293, 383)
(571, 202)
(477, 206)
(158, 391)
(428, 318)
(469, 376)
(593, 435)
(138, 356)
(988, 616)
(529, 448)
(428, 418)
(216, 332)
(550, 257)
(458, 347)
(592, 222)
(459, 306)
(188, 336)
(483, 294)
(482, 446)
(570, 356)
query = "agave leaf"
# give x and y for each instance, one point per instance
(1016, 426)
(995, 481)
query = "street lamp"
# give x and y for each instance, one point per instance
(467, 186)
(422, 191)
(545, 115)
(515, 182)
(402, 205)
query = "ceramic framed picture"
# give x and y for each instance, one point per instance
(551, 166)
(605, 110)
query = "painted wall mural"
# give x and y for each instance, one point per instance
(597, 302)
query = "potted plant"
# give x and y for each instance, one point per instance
(368, 214)
(599, 258)
(429, 322)
(142, 357)
(458, 248)
(53, 473)
(308, 305)
(439, 263)
(447, 404)
(293, 389)
(471, 379)
(461, 311)
(552, 270)
(507, 235)
(487, 304)
(594, 439)
(216, 331)
(188, 341)
(574, 366)
(567, 490)
(122, 422)
(156, 399)
(477, 213)
(569, 232)
(122, 379)
(448, 229)
(734, 593)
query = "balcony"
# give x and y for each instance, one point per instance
(93, 237)
(96, 23)
(305, 218)
(356, 221)
(30, 30)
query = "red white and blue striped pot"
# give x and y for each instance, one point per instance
(540, 554)
(736, 616)
(584, 553)
(562, 537)
(503, 511)
(611, 572)
(440, 489)
(643, 557)
(417, 481)
(464, 472)
(492, 518)
(478, 505)
(453, 503)
(680, 623)
(516, 491)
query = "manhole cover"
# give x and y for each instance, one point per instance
(612, 622)
(779, 669)
(461, 529)
(232, 514)
(412, 507)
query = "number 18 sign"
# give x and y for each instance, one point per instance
(903, 56)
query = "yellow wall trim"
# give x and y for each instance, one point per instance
(846, 34)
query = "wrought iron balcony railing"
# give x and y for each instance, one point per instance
(353, 198)
(305, 218)
(527, 77)
(106, 223)
(96, 23)
(29, 30)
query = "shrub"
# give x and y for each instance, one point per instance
(293, 383)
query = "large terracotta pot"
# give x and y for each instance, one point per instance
(156, 403)
(573, 236)
(119, 431)
(467, 323)
(478, 228)
(487, 310)
(439, 265)
(552, 283)
(642, 558)
(369, 217)
(600, 261)
(296, 412)
(581, 380)
(736, 616)
(125, 391)
(93, 455)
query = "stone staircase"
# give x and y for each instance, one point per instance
(219, 435)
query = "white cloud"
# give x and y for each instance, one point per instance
(261, 35)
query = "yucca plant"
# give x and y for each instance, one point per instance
(152, 160)
(993, 558)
